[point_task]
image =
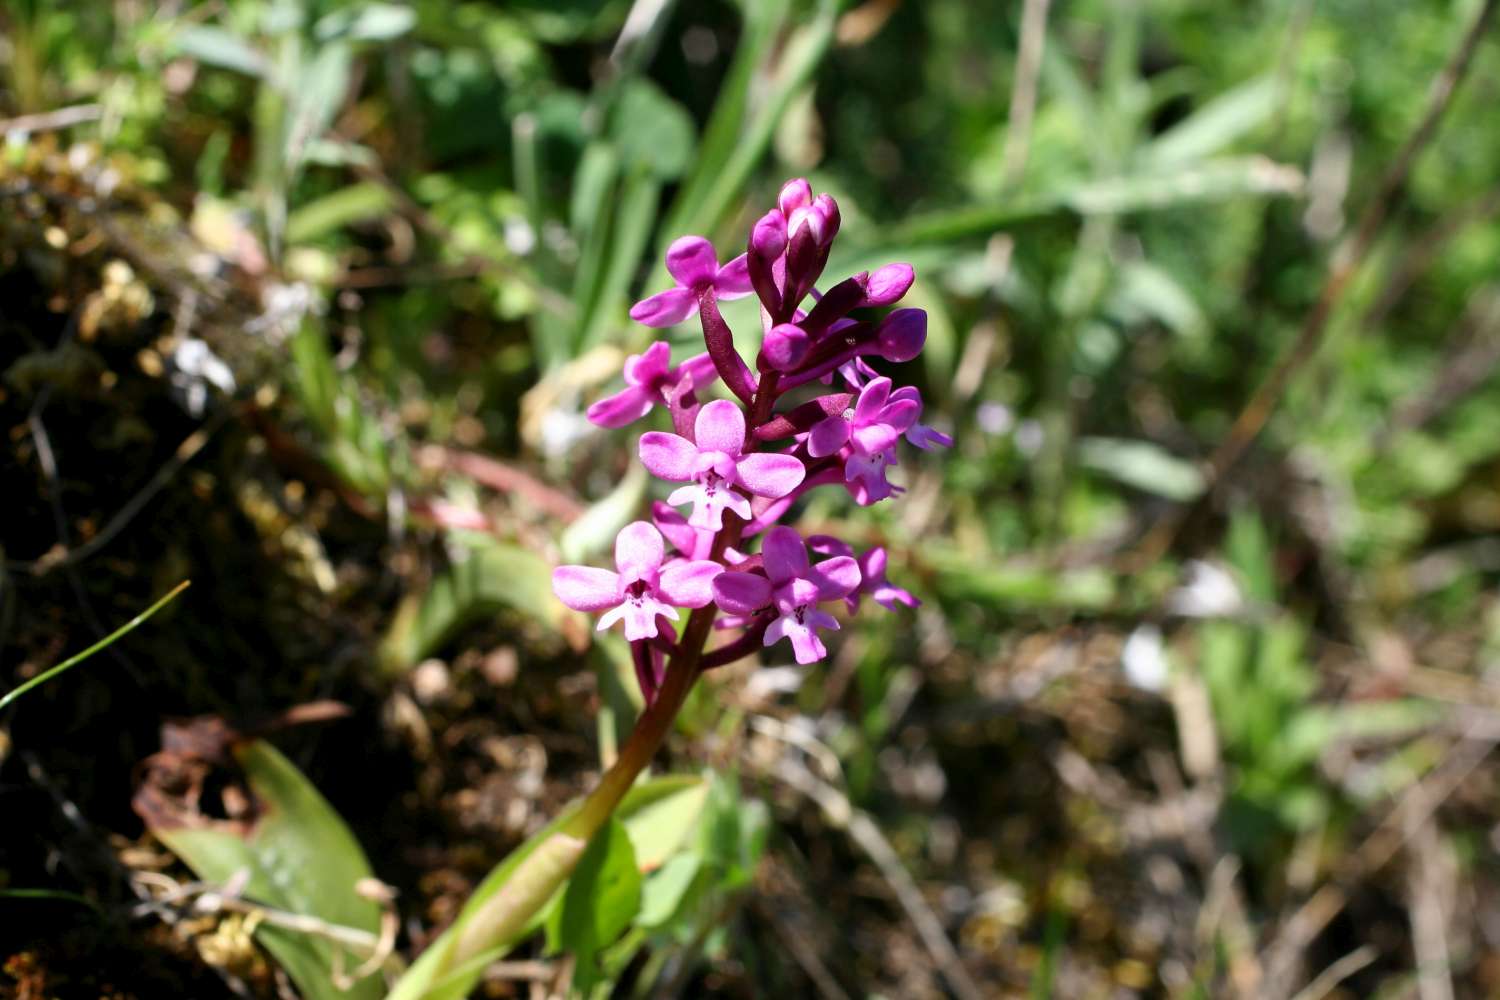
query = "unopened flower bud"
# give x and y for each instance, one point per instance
(785, 346)
(795, 194)
(768, 238)
(901, 335)
(888, 284)
(829, 209)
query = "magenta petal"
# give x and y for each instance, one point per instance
(586, 588)
(827, 545)
(874, 438)
(665, 308)
(827, 436)
(689, 583)
(901, 413)
(888, 284)
(770, 475)
(720, 427)
(927, 438)
(674, 527)
(669, 456)
(639, 552)
(795, 194)
(624, 407)
(872, 400)
(733, 279)
(650, 365)
(784, 554)
(692, 261)
(741, 593)
(699, 369)
(836, 577)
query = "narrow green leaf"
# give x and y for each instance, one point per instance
(602, 897)
(355, 203)
(1216, 125)
(1142, 465)
(102, 644)
(220, 48)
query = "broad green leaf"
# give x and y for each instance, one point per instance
(217, 47)
(488, 576)
(1212, 180)
(665, 889)
(595, 531)
(355, 203)
(662, 823)
(301, 858)
(428, 979)
(652, 131)
(959, 576)
(1216, 125)
(1142, 465)
(368, 22)
(602, 897)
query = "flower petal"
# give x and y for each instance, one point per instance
(770, 475)
(887, 284)
(872, 399)
(665, 308)
(733, 279)
(650, 365)
(699, 369)
(624, 407)
(741, 593)
(692, 261)
(720, 427)
(836, 577)
(674, 528)
(668, 456)
(586, 588)
(689, 583)
(872, 439)
(901, 413)
(639, 552)
(784, 554)
(828, 436)
(827, 545)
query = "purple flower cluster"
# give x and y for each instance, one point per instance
(753, 458)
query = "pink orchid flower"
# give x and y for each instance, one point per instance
(715, 465)
(692, 261)
(795, 588)
(870, 429)
(872, 581)
(643, 588)
(648, 376)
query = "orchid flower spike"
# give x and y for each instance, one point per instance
(648, 376)
(643, 588)
(794, 587)
(715, 465)
(692, 261)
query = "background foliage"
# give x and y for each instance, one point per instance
(304, 299)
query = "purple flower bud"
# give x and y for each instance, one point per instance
(795, 194)
(768, 238)
(901, 335)
(785, 346)
(888, 284)
(829, 209)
